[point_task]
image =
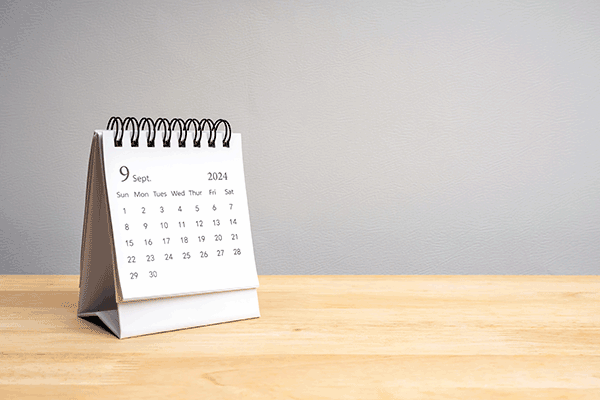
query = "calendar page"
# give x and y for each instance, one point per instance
(179, 217)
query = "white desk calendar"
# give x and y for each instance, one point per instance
(166, 238)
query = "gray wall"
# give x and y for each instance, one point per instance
(379, 137)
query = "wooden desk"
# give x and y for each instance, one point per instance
(320, 337)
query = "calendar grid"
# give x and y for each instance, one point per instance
(180, 221)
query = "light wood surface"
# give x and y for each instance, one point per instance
(320, 337)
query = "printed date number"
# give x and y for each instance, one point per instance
(217, 176)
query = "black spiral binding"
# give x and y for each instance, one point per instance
(119, 126)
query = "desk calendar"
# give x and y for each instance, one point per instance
(167, 242)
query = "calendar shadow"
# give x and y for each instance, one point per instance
(95, 324)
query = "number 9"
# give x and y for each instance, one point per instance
(125, 174)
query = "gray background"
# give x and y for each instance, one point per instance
(380, 137)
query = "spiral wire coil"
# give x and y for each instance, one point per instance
(119, 126)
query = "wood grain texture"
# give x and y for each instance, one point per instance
(320, 337)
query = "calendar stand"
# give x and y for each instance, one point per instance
(160, 305)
